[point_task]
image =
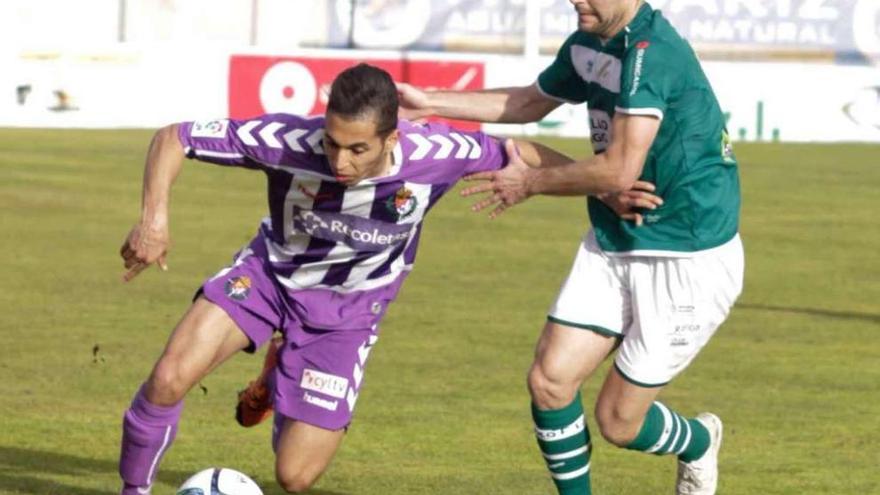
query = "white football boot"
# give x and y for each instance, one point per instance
(700, 477)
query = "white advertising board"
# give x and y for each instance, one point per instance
(112, 87)
(129, 87)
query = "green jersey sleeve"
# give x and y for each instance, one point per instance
(560, 80)
(646, 80)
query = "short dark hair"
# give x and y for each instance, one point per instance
(365, 91)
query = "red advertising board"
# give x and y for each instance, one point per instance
(299, 85)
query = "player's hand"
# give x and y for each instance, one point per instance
(145, 245)
(506, 187)
(628, 204)
(414, 104)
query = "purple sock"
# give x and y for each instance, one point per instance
(147, 432)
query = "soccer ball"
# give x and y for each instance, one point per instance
(219, 481)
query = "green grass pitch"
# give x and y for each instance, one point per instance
(794, 372)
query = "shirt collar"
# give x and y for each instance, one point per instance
(621, 40)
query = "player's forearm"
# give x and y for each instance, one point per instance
(163, 165)
(483, 106)
(538, 155)
(613, 171)
(502, 105)
(594, 176)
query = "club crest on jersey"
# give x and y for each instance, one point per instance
(403, 203)
(238, 288)
(727, 148)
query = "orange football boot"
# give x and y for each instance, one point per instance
(255, 402)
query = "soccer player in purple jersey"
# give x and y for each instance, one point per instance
(347, 194)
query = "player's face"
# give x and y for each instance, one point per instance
(355, 150)
(602, 17)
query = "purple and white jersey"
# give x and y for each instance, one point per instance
(321, 234)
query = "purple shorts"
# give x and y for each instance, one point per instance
(320, 368)
(318, 379)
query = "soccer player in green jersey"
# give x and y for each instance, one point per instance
(655, 292)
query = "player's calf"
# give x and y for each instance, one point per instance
(564, 441)
(147, 433)
(303, 452)
(664, 431)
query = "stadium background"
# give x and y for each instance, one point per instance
(794, 372)
(771, 62)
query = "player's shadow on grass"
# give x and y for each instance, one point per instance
(31, 471)
(847, 315)
(26, 471)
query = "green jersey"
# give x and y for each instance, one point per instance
(648, 69)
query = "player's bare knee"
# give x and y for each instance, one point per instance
(295, 481)
(166, 384)
(548, 393)
(616, 426)
(618, 434)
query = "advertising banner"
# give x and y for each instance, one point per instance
(469, 25)
(845, 30)
(300, 85)
(842, 30)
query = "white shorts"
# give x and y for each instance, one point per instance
(664, 309)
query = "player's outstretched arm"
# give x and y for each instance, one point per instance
(149, 239)
(516, 105)
(612, 172)
(507, 187)
(627, 204)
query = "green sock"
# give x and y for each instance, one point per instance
(667, 432)
(565, 443)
